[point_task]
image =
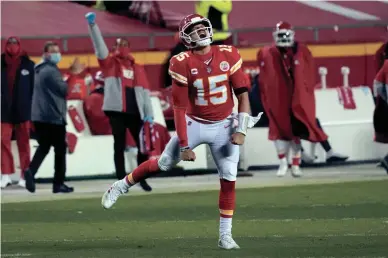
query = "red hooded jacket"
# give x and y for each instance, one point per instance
(284, 94)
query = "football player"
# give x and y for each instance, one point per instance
(287, 81)
(204, 80)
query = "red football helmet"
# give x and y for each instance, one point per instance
(198, 37)
(283, 34)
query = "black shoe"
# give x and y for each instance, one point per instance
(62, 189)
(244, 174)
(146, 187)
(384, 163)
(336, 158)
(30, 181)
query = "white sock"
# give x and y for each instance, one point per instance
(283, 162)
(225, 226)
(124, 183)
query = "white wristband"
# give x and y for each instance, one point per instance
(243, 120)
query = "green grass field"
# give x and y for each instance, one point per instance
(336, 220)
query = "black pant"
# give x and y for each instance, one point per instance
(51, 135)
(119, 123)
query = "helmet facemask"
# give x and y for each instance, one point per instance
(284, 37)
(197, 34)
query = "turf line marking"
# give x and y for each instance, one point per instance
(309, 219)
(16, 255)
(384, 220)
(238, 220)
(188, 237)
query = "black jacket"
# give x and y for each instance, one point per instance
(16, 107)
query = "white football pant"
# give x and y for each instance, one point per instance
(217, 136)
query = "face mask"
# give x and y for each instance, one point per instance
(13, 49)
(123, 51)
(55, 57)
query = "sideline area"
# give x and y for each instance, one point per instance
(264, 178)
(248, 54)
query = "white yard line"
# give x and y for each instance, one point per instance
(183, 237)
(384, 221)
(16, 255)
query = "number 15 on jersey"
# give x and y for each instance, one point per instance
(212, 89)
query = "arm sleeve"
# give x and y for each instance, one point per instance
(237, 76)
(180, 98)
(180, 101)
(100, 48)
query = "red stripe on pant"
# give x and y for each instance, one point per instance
(22, 133)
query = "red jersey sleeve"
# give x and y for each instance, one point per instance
(180, 97)
(236, 73)
(177, 68)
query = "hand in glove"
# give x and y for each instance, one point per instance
(148, 119)
(91, 18)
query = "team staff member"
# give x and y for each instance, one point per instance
(17, 84)
(48, 113)
(127, 100)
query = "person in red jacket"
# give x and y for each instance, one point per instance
(287, 92)
(127, 100)
(99, 122)
(17, 84)
(286, 83)
(380, 116)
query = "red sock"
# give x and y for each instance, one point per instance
(281, 156)
(227, 199)
(296, 161)
(145, 170)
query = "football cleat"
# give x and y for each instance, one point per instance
(226, 242)
(296, 172)
(22, 183)
(283, 168)
(112, 194)
(5, 181)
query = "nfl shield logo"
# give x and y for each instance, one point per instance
(209, 70)
(224, 66)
